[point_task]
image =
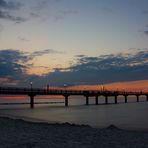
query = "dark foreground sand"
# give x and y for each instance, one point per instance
(16, 133)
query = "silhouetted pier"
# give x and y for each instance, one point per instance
(66, 93)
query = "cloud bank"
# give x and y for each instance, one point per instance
(87, 70)
(6, 8)
(104, 69)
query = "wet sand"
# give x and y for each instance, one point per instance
(16, 133)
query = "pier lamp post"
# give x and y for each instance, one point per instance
(31, 85)
(65, 85)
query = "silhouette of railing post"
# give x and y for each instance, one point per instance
(97, 100)
(125, 98)
(87, 100)
(106, 99)
(115, 99)
(146, 97)
(32, 101)
(137, 98)
(66, 100)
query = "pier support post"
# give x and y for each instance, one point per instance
(106, 99)
(31, 101)
(137, 98)
(115, 99)
(87, 100)
(125, 98)
(96, 100)
(146, 97)
(66, 100)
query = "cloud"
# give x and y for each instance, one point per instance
(11, 64)
(145, 11)
(104, 69)
(7, 16)
(5, 11)
(128, 66)
(23, 39)
(9, 5)
(146, 32)
(34, 15)
(14, 65)
(43, 52)
(80, 56)
(54, 9)
(62, 14)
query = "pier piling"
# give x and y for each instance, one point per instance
(66, 100)
(137, 98)
(87, 100)
(106, 99)
(32, 101)
(125, 98)
(116, 99)
(96, 100)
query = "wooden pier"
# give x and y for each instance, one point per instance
(66, 93)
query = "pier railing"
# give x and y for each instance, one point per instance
(32, 92)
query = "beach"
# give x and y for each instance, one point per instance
(17, 133)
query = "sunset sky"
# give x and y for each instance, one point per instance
(73, 42)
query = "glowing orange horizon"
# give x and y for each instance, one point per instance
(141, 85)
(121, 86)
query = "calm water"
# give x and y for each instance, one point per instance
(128, 116)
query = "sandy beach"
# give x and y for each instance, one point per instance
(15, 133)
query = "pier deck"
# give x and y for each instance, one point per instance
(66, 93)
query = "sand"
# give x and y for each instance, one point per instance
(15, 133)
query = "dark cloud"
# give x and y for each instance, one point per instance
(34, 15)
(14, 65)
(67, 12)
(6, 8)
(11, 64)
(23, 39)
(7, 16)
(104, 69)
(146, 32)
(42, 52)
(9, 5)
(88, 70)
(46, 9)
(62, 14)
(80, 56)
(145, 11)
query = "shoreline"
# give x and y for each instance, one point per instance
(19, 133)
(36, 120)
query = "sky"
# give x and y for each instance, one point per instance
(73, 42)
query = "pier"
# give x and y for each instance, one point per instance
(66, 93)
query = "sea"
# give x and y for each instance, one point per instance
(132, 115)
